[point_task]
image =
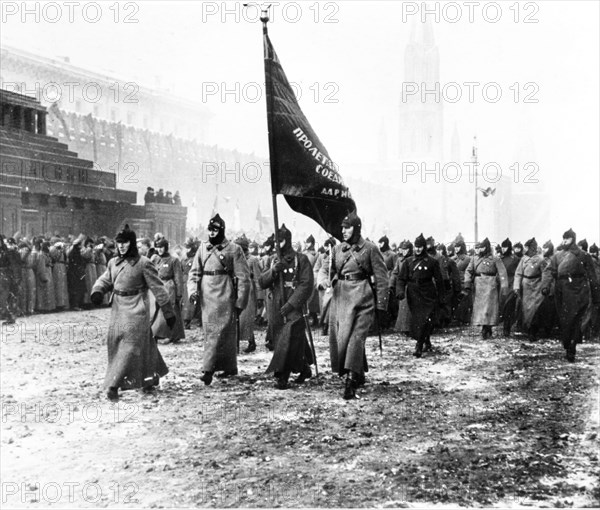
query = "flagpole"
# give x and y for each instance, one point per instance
(264, 18)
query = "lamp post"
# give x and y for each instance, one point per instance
(474, 159)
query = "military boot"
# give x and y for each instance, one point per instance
(207, 378)
(350, 389)
(418, 350)
(305, 374)
(251, 346)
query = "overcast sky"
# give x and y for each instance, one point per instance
(352, 52)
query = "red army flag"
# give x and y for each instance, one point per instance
(301, 169)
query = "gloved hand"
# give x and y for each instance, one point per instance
(285, 309)
(194, 297)
(401, 296)
(465, 292)
(96, 298)
(278, 267)
(517, 293)
(545, 291)
(171, 321)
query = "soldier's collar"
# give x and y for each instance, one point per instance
(219, 246)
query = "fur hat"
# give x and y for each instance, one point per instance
(571, 234)
(124, 235)
(420, 241)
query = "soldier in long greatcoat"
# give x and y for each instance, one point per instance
(59, 274)
(133, 357)
(404, 317)
(248, 315)
(486, 278)
(89, 255)
(527, 284)
(464, 308)
(46, 301)
(291, 282)
(313, 303)
(508, 301)
(389, 258)
(27, 278)
(220, 280)
(572, 271)
(595, 319)
(420, 281)
(190, 310)
(323, 283)
(170, 273)
(354, 302)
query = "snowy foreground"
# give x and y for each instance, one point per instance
(501, 422)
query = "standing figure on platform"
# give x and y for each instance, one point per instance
(220, 280)
(133, 357)
(170, 273)
(356, 300)
(486, 278)
(292, 275)
(572, 271)
(7, 311)
(420, 282)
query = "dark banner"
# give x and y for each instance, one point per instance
(301, 169)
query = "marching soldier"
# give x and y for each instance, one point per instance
(389, 258)
(189, 311)
(220, 280)
(420, 282)
(133, 357)
(488, 277)
(355, 301)
(528, 286)
(404, 317)
(292, 352)
(321, 276)
(573, 272)
(170, 273)
(507, 302)
(313, 303)
(248, 315)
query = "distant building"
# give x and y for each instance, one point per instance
(46, 189)
(143, 136)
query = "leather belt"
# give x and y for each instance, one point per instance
(532, 277)
(422, 280)
(134, 292)
(215, 273)
(353, 277)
